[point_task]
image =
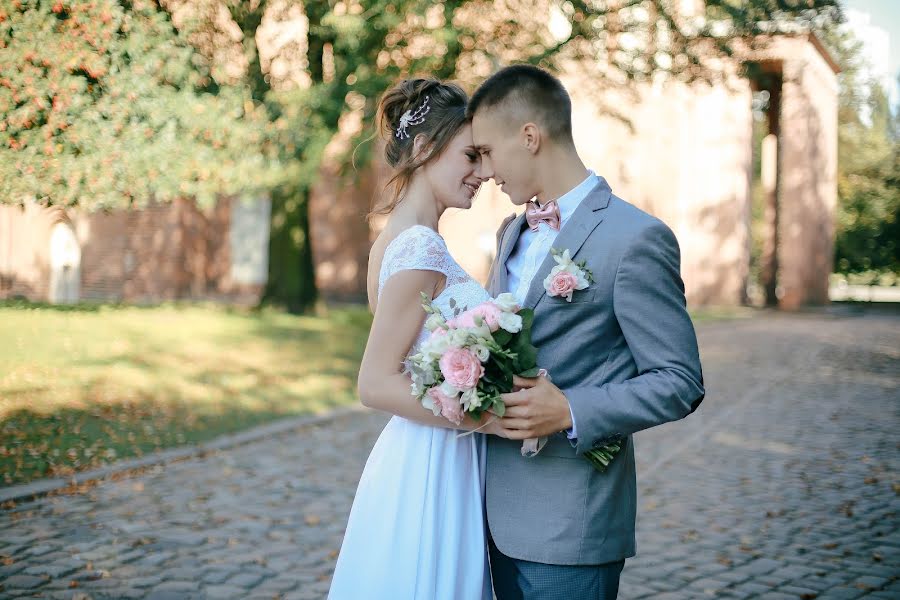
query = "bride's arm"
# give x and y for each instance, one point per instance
(398, 319)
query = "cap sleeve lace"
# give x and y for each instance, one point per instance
(419, 248)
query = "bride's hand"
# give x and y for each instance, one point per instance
(490, 424)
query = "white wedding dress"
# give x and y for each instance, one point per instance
(417, 527)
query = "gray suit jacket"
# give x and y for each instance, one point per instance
(625, 354)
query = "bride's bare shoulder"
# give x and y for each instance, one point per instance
(376, 259)
(376, 255)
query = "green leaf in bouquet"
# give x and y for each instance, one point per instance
(527, 315)
(503, 364)
(526, 357)
(526, 353)
(502, 377)
(499, 407)
(532, 372)
(502, 337)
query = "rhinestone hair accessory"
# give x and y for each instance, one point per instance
(412, 117)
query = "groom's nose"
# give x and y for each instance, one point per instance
(484, 170)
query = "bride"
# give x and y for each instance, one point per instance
(417, 528)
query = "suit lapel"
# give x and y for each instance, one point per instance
(507, 243)
(579, 226)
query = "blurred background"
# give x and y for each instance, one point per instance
(183, 185)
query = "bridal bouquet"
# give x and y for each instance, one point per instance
(469, 360)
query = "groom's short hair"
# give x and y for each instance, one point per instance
(530, 93)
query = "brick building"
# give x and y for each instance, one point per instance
(163, 252)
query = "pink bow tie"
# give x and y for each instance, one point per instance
(549, 214)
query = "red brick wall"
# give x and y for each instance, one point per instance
(341, 237)
(163, 252)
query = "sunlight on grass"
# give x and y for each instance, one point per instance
(79, 388)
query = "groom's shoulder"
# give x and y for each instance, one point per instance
(631, 221)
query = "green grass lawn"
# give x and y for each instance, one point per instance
(86, 386)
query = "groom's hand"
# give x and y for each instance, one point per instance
(538, 408)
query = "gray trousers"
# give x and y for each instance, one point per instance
(516, 579)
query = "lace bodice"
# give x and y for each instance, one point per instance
(422, 248)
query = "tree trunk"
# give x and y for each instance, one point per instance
(292, 279)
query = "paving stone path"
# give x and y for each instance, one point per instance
(783, 485)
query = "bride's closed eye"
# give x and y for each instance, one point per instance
(472, 156)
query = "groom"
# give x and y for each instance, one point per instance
(621, 354)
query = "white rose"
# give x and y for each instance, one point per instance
(506, 302)
(511, 322)
(482, 352)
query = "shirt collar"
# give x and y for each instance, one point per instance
(569, 201)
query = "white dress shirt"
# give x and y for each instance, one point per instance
(532, 248)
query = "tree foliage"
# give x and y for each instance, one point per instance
(102, 106)
(868, 215)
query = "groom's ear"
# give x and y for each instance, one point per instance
(531, 137)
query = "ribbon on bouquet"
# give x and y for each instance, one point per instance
(532, 446)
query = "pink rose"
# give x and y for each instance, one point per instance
(490, 312)
(463, 321)
(450, 408)
(461, 368)
(438, 333)
(563, 284)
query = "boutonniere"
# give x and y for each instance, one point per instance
(567, 276)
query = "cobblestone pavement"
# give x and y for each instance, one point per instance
(783, 485)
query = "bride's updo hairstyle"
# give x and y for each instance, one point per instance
(434, 109)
